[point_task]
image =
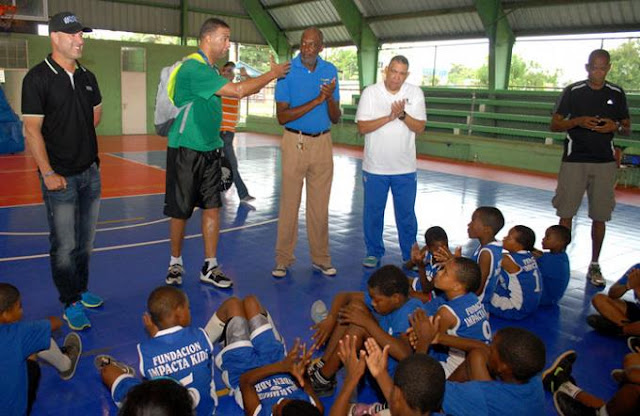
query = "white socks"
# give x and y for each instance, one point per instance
(55, 357)
(569, 388)
(175, 260)
(214, 328)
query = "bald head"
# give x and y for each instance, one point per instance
(314, 32)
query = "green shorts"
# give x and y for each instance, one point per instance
(598, 179)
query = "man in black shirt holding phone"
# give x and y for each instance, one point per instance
(591, 112)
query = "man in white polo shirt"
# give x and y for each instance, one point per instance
(390, 113)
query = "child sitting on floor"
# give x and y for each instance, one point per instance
(435, 239)
(19, 340)
(517, 294)
(485, 223)
(263, 379)
(617, 316)
(554, 264)
(175, 350)
(417, 387)
(381, 313)
(570, 399)
(459, 310)
(502, 378)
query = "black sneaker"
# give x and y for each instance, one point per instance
(568, 406)
(72, 348)
(174, 277)
(322, 386)
(603, 325)
(215, 276)
(559, 372)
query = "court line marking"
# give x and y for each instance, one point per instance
(145, 243)
(121, 227)
(137, 162)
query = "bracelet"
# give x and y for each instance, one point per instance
(51, 172)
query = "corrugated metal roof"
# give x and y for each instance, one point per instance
(332, 35)
(242, 30)
(385, 7)
(423, 20)
(592, 17)
(229, 6)
(305, 14)
(429, 28)
(119, 16)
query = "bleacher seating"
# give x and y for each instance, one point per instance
(509, 115)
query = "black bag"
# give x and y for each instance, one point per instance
(226, 174)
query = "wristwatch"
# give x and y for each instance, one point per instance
(402, 116)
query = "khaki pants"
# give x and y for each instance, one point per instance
(307, 159)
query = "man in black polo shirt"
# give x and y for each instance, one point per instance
(590, 111)
(61, 105)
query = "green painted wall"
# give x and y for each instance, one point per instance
(103, 59)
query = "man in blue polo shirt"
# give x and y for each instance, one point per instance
(307, 101)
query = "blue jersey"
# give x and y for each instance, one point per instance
(518, 294)
(301, 86)
(625, 278)
(275, 388)
(555, 273)
(395, 323)
(184, 354)
(494, 249)
(484, 398)
(471, 323)
(18, 341)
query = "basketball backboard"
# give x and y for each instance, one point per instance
(29, 10)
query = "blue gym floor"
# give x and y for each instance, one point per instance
(132, 252)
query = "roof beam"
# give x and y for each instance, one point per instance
(501, 40)
(425, 13)
(269, 29)
(513, 5)
(364, 38)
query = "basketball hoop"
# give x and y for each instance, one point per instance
(7, 13)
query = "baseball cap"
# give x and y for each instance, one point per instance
(66, 22)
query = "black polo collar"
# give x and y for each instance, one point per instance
(56, 68)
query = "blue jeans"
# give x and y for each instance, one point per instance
(72, 214)
(230, 154)
(403, 189)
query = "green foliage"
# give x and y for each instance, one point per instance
(346, 60)
(256, 56)
(463, 75)
(530, 74)
(625, 65)
(523, 74)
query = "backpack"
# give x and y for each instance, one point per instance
(166, 111)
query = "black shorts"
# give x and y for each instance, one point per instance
(193, 180)
(633, 311)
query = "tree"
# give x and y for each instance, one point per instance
(256, 56)
(625, 65)
(346, 60)
(462, 75)
(523, 74)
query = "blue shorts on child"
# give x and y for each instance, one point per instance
(243, 355)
